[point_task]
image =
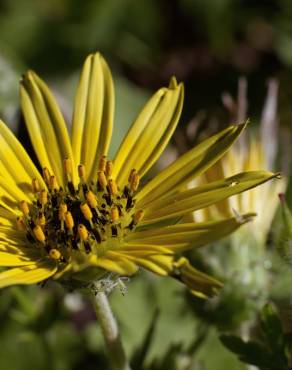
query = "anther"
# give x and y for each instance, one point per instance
(138, 216)
(24, 207)
(86, 211)
(62, 211)
(39, 234)
(109, 168)
(55, 254)
(82, 232)
(132, 173)
(115, 214)
(21, 224)
(135, 180)
(67, 166)
(113, 188)
(53, 183)
(69, 221)
(43, 197)
(102, 164)
(35, 185)
(46, 175)
(81, 172)
(102, 181)
(41, 221)
(91, 199)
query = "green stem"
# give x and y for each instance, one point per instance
(110, 331)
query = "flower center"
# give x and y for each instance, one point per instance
(72, 222)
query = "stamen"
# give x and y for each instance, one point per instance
(113, 188)
(91, 199)
(55, 254)
(86, 211)
(35, 185)
(138, 216)
(21, 224)
(41, 221)
(46, 175)
(109, 168)
(102, 181)
(81, 172)
(135, 180)
(102, 164)
(53, 183)
(132, 173)
(39, 234)
(82, 232)
(24, 207)
(43, 197)
(62, 211)
(69, 221)
(115, 214)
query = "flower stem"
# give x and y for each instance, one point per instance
(110, 331)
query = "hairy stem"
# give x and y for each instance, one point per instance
(110, 331)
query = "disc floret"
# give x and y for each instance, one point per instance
(71, 223)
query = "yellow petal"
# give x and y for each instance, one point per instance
(27, 274)
(182, 237)
(93, 113)
(46, 126)
(137, 247)
(150, 133)
(159, 264)
(10, 259)
(115, 263)
(7, 218)
(204, 196)
(15, 162)
(189, 165)
(199, 283)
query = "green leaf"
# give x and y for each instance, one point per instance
(272, 327)
(250, 352)
(141, 353)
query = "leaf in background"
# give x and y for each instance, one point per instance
(272, 327)
(141, 353)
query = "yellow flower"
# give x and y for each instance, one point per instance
(86, 216)
(253, 151)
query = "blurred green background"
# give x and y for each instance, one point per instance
(208, 44)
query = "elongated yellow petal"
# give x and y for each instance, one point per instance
(7, 218)
(11, 259)
(115, 263)
(191, 164)
(93, 113)
(46, 126)
(19, 250)
(158, 263)
(27, 274)
(182, 237)
(14, 191)
(199, 283)
(10, 194)
(150, 133)
(204, 196)
(15, 162)
(138, 247)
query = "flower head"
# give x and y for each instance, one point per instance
(253, 151)
(85, 216)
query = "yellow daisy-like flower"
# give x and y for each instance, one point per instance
(86, 216)
(254, 150)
